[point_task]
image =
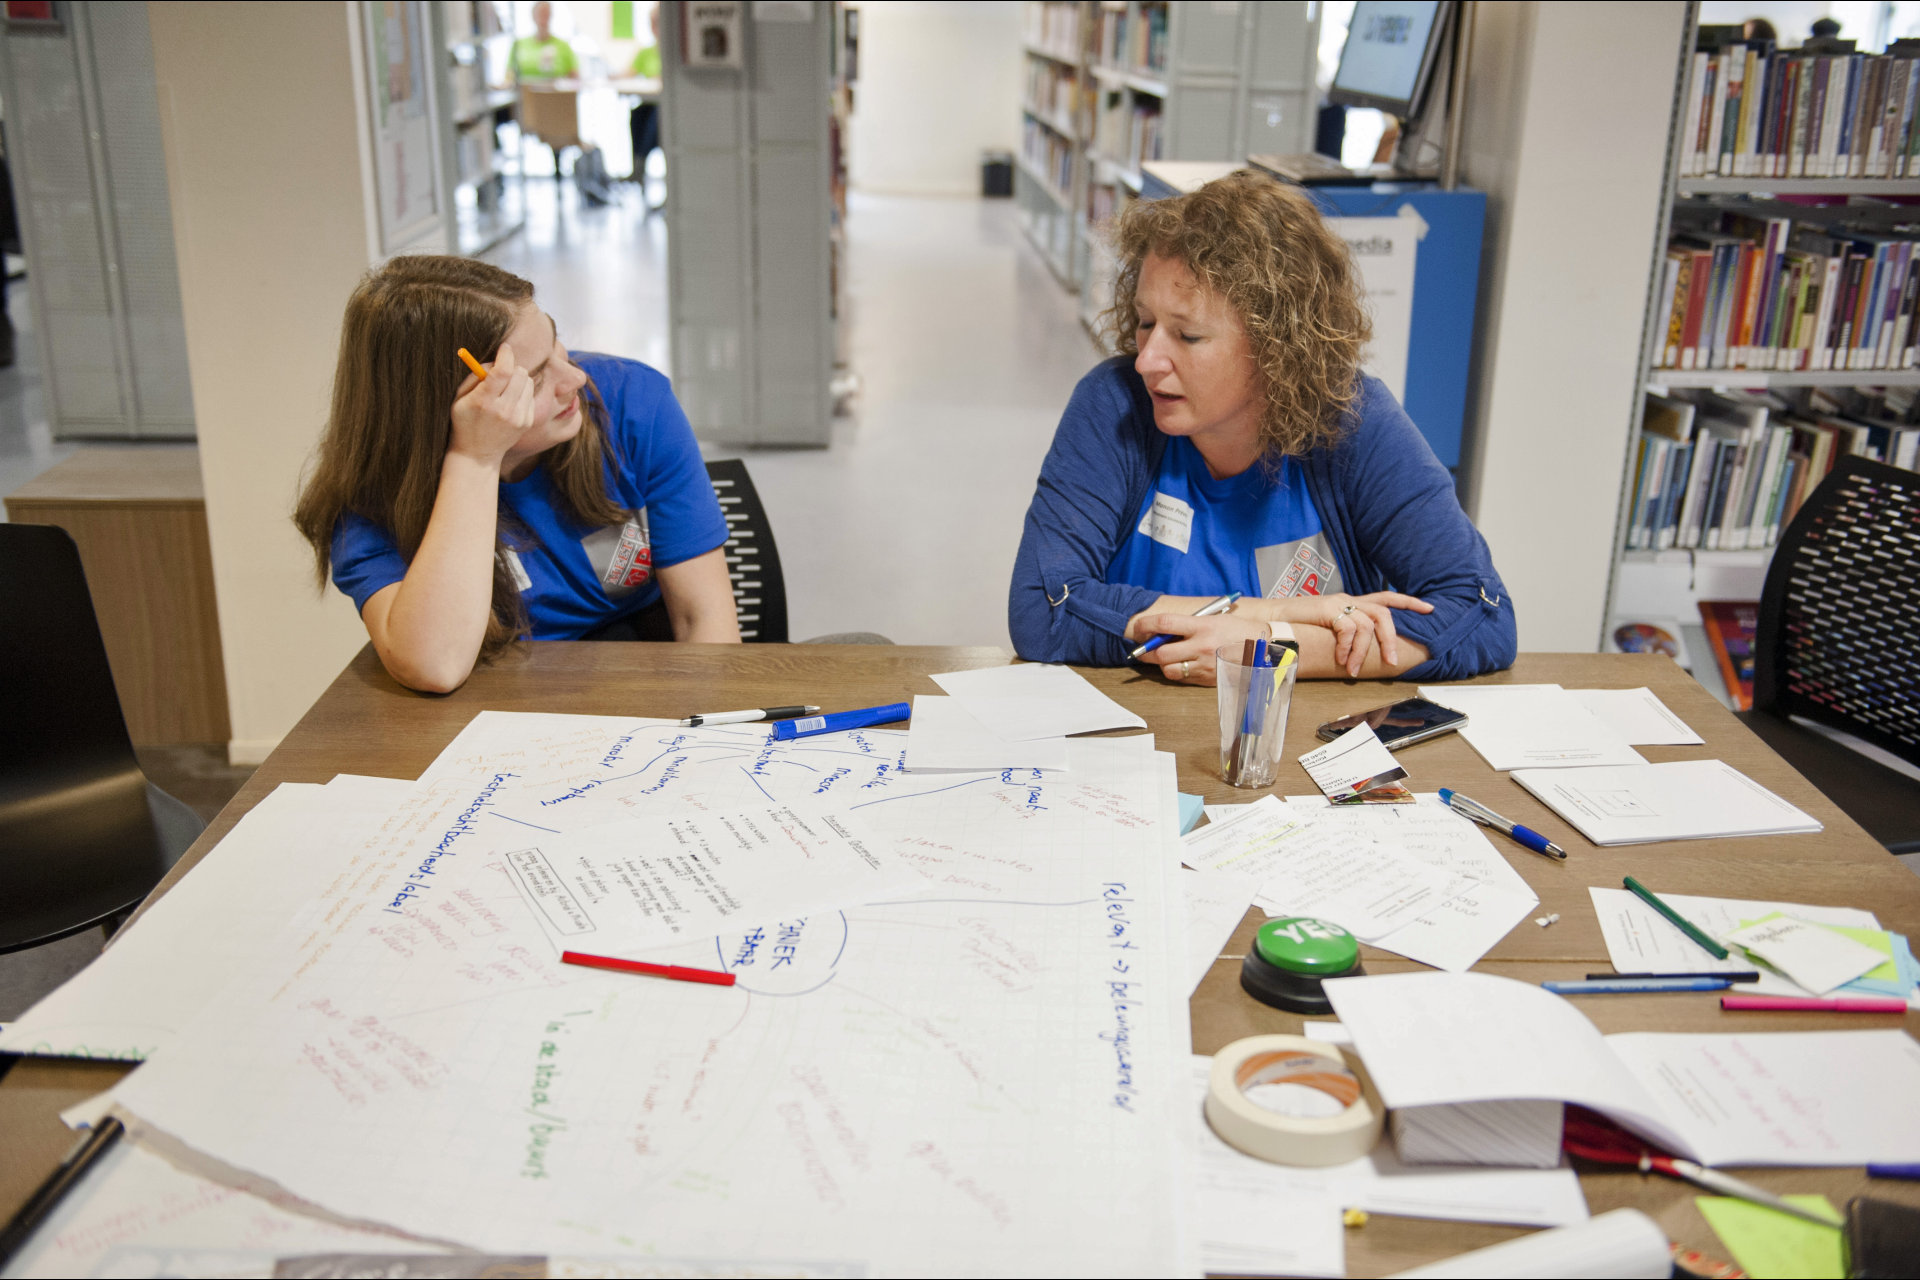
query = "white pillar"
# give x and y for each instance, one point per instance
(266, 182)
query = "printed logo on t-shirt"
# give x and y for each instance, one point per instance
(1302, 568)
(1169, 521)
(622, 556)
(522, 580)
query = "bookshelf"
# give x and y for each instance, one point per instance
(1724, 209)
(1115, 84)
(476, 46)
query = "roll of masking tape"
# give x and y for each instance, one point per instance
(1293, 1101)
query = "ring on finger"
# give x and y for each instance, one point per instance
(1186, 667)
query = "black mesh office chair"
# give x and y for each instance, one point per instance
(1838, 643)
(83, 835)
(753, 562)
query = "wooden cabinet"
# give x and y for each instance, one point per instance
(140, 519)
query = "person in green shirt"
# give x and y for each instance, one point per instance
(543, 55)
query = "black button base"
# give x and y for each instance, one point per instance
(1295, 992)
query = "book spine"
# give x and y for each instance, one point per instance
(1723, 475)
(1663, 342)
(1697, 87)
(1823, 323)
(1675, 329)
(1872, 110)
(1715, 106)
(1767, 488)
(1688, 534)
(1736, 56)
(1752, 101)
(1802, 114)
(1679, 474)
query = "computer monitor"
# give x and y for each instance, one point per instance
(1391, 50)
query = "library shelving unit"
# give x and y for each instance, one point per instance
(487, 207)
(1112, 85)
(1049, 175)
(1666, 586)
(1189, 82)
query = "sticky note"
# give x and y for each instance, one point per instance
(1816, 957)
(1191, 807)
(1768, 1243)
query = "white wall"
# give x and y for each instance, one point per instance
(939, 82)
(265, 179)
(1566, 131)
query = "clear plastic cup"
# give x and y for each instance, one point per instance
(1253, 715)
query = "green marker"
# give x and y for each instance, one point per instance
(1679, 921)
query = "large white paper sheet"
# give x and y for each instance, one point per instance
(1638, 716)
(867, 1095)
(1473, 917)
(1036, 700)
(943, 735)
(626, 886)
(1537, 726)
(135, 1214)
(1641, 940)
(236, 906)
(1680, 800)
(1307, 869)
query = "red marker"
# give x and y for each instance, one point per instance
(1784, 1004)
(679, 973)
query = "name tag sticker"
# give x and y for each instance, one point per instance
(1169, 522)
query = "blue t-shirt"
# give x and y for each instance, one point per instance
(1256, 533)
(575, 578)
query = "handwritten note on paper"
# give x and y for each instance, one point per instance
(1641, 940)
(131, 1001)
(1481, 905)
(1308, 869)
(435, 1071)
(648, 882)
(1036, 700)
(1816, 957)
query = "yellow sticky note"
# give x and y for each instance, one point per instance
(1770, 1244)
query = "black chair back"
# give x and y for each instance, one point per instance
(1838, 639)
(78, 843)
(753, 562)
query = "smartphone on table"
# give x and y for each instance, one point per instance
(1400, 725)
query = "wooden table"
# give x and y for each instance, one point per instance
(365, 723)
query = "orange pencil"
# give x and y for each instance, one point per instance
(479, 370)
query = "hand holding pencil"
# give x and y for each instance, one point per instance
(492, 410)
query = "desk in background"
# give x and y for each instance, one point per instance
(365, 723)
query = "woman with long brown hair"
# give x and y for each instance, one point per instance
(559, 497)
(1235, 445)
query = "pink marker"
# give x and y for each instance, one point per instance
(1800, 1004)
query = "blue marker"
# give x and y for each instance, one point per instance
(865, 718)
(1221, 605)
(1630, 986)
(1909, 1171)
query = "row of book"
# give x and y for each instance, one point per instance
(1054, 25)
(1049, 154)
(1135, 42)
(1756, 112)
(1726, 471)
(1127, 132)
(1053, 91)
(1750, 292)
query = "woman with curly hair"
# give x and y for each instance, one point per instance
(561, 497)
(1235, 445)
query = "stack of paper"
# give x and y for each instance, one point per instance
(1541, 726)
(1035, 700)
(943, 735)
(1681, 800)
(1638, 716)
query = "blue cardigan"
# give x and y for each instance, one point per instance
(1386, 505)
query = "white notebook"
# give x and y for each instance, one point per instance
(1682, 800)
